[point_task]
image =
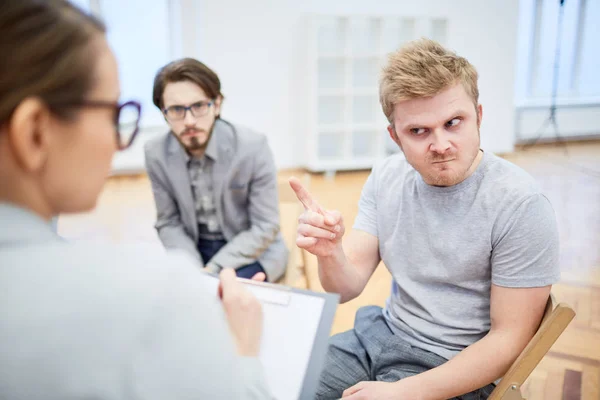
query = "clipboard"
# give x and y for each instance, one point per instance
(296, 328)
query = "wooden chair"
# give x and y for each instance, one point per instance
(556, 318)
(289, 210)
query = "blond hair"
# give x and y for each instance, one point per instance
(423, 68)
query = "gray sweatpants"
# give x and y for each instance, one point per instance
(371, 352)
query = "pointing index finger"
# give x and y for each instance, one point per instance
(305, 198)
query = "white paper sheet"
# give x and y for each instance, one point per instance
(288, 337)
(290, 324)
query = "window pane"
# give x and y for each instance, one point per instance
(365, 73)
(331, 110)
(363, 36)
(363, 143)
(139, 36)
(589, 82)
(331, 145)
(331, 74)
(364, 109)
(439, 30)
(331, 36)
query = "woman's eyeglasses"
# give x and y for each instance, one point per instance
(127, 118)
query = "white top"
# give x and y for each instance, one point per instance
(111, 322)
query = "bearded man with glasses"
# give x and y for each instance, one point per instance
(214, 183)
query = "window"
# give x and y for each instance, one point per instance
(139, 35)
(141, 39)
(347, 53)
(579, 50)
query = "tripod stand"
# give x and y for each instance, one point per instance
(551, 120)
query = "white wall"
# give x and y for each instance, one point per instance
(259, 49)
(256, 46)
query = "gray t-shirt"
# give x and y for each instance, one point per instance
(445, 246)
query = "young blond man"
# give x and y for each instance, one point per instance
(470, 240)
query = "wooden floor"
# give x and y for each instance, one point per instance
(571, 179)
(569, 175)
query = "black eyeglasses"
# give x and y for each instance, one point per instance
(177, 112)
(127, 118)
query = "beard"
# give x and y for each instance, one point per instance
(194, 143)
(445, 174)
(452, 173)
(448, 177)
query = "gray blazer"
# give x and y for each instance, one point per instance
(245, 188)
(110, 322)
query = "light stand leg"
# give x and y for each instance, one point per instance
(552, 117)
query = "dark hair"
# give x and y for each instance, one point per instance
(186, 69)
(46, 53)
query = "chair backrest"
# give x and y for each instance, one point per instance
(286, 194)
(290, 209)
(556, 318)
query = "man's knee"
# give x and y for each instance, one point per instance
(248, 271)
(346, 364)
